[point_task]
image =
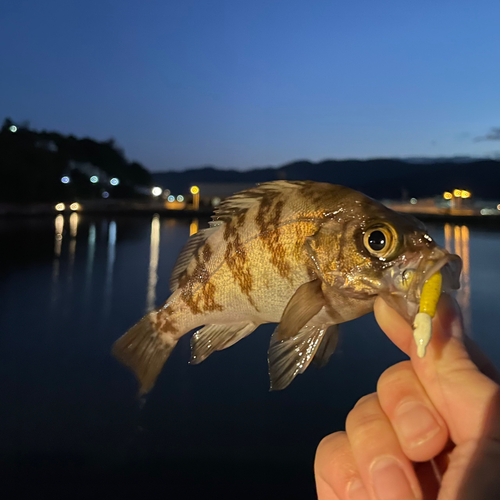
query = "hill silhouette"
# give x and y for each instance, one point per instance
(32, 164)
(379, 178)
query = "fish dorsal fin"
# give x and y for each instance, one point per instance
(305, 303)
(217, 337)
(187, 253)
(229, 208)
(327, 346)
(289, 357)
(244, 200)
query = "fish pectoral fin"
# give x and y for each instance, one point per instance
(305, 303)
(216, 338)
(289, 357)
(327, 346)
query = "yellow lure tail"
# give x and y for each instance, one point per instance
(422, 325)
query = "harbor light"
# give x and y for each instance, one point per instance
(60, 207)
(180, 198)
(65, 179)
(94, 179)
(13, 129)
(447, 195)
(156, 191)
(457, 193)
(114, 181)
(171, 198)
(465, 194)
(75, 206)
(195, 191)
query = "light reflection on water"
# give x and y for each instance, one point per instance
(110, 264)
(90, 260)
(56, 264)
(193, 227)
(73, 232)
(154, 255)
(457, 240)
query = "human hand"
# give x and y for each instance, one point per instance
(430, 431)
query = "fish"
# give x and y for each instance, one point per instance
(306, 255)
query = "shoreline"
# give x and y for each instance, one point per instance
(136, 209)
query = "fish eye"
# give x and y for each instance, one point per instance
(380, 241)
(377, 241)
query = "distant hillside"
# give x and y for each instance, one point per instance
(380, 178)
(32, 164)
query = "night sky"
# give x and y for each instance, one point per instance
(258, 82)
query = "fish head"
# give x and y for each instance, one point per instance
(376, 251)
(418, 258)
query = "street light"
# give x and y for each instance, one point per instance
(65, 179)
(114, 181)
(60, 207)
(94, 179)
(465, 194)
(156, 191)
(457, 193)
(447, 195)
(195, 191)
(75, 206)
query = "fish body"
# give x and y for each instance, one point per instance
(295, 253)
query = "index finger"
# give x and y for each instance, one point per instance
(459, 391)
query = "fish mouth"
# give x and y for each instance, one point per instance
(406, 301)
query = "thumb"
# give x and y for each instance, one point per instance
(459, 391)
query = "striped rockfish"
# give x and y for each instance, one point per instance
(303, 254)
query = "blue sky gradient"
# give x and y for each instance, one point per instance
(258, 82)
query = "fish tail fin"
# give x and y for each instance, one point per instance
(144, 350)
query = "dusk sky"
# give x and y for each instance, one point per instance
(258, 82)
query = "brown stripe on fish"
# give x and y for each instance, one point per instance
(207, 252)
(202, 299)
(165, 322)
(237, 262)
(268, 221)
(229, 230)
(310, 190)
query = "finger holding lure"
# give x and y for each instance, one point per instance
(303, 254)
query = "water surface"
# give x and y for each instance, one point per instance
(71, 285)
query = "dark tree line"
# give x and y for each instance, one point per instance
(32, 164)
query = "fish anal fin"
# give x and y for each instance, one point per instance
(327, 346)
(305, 303)
(144, 351)
(216, 338)
(289, 357)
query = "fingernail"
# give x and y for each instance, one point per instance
(357, 491)
(415, 423)
(390, 481)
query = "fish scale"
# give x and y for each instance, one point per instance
(284, 252)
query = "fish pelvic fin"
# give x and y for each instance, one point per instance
(289, 357)
(144, 351)
(216, 338)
